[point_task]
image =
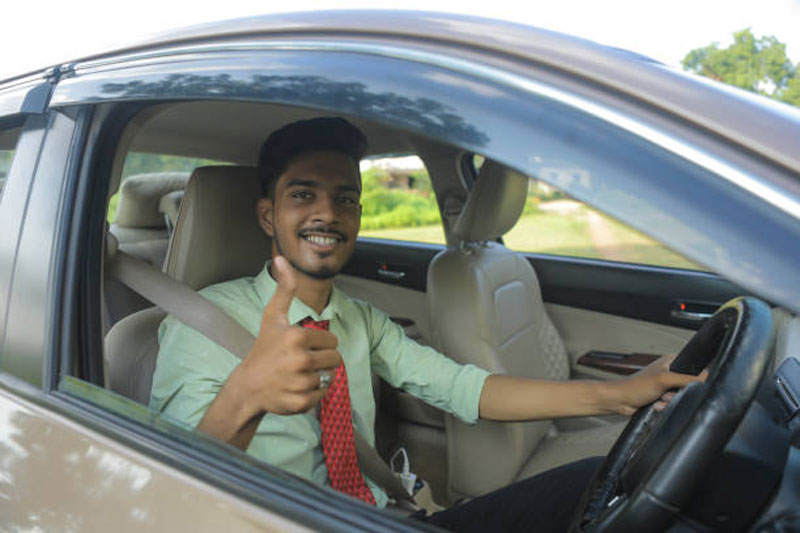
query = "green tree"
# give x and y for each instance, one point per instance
(759, 65)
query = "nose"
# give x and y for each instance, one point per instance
(324, 209)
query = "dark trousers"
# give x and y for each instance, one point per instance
(542, 503)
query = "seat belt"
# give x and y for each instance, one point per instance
(188, 306)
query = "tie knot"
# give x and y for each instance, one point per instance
(310, 323)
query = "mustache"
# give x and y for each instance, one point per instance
(323, 230)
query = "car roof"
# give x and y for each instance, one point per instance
(761, 125)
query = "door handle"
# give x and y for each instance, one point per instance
(691, 316)
(391, 274)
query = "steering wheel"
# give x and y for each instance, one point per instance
(649, 474)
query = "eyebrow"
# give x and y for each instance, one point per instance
(314, 183)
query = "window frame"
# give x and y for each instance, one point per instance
(79, 351)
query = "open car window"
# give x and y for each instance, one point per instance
(398, 201)
(554, 223)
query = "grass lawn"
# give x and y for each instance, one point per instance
(429, 234)
(552, 233)
(562, 234)
(634, 247)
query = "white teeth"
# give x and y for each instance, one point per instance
(324, 241)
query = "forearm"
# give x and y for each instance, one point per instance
(230, 417)
(508, 398)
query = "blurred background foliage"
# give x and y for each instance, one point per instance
(392, 200)
(756, 64)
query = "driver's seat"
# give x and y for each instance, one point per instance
(216, 238)
(486, 308)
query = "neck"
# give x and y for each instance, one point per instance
(313, 292)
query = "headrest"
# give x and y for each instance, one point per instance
(168, 206)
(217, 236)
(139, 197)
(494, 204)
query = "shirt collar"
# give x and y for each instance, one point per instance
(265, 287)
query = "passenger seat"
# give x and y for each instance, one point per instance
(486, 308)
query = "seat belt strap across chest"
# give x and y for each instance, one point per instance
(188, 306)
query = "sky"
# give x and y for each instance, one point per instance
(36, 34)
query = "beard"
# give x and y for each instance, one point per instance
(321, 273)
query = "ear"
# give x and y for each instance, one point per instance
(265, 212)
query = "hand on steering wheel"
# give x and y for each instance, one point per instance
(649, 474)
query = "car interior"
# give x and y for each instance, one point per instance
(473, 299)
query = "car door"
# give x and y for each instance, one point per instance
(471, 99)
(613, 308)
(60, 471)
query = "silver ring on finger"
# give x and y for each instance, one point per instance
(324, 379)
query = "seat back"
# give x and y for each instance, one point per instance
(216, 238)
(130, 350)
(487, 309)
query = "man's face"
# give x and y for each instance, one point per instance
(315, 213)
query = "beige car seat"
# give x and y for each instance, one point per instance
(142, 230)
(487, 309)
(139, 224)
(216, 238)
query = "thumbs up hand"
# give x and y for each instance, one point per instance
(283, 366)
(280, 374)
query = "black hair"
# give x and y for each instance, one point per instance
(324, 133)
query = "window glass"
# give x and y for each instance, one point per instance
(398, 201)
(554, 223)
(8, 143)
(6, 156)
(142, 163)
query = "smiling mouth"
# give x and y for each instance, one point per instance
(320, 240)
(324, 239)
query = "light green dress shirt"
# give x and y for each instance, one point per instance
(191, 369)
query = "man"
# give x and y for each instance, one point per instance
(276, 402)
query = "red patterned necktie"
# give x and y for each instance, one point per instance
(338, 442)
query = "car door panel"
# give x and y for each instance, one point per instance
(405, 306)
(91, 483)
(585, 330)
(595, 305)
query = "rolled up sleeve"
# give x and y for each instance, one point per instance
(190, 372)
(423, 371)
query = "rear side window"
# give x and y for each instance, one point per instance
(398, 201)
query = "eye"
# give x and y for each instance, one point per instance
(348, 200)
(302, 194)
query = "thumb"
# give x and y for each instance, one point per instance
(277, 309)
